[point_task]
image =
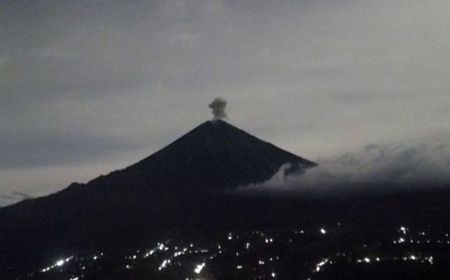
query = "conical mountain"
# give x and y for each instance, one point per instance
(214, 156)
(155, 194)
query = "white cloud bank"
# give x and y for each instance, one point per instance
(392, 165)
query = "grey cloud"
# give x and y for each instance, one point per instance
(379, 166)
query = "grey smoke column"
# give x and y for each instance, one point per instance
(218, 108)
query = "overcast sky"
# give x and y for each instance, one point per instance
(87, 87)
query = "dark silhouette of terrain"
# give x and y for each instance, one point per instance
(182, 187)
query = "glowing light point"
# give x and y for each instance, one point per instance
(403, 229)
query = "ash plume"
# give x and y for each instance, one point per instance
(218, 108)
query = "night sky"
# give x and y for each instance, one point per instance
(87, 87)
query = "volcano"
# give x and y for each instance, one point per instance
(179, 187)
(214, 156)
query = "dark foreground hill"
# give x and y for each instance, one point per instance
(180, 188)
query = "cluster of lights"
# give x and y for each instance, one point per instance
(162, 248)
(268, 240)
(321, 264)
(421, 239)
(198, 268)
(81, 262)
(164, 264)
(58, 263)
(411, 257)
(195, 258)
